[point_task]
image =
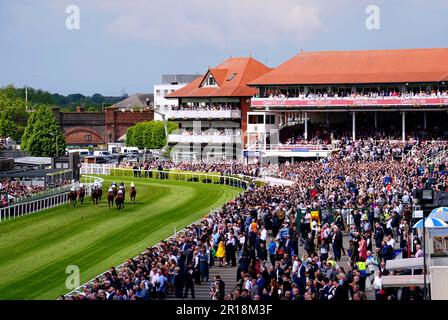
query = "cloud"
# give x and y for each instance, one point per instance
(217, 24)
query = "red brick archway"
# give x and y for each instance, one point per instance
(83, 135)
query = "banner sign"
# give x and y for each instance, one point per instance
(353, 102)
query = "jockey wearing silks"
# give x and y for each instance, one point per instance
(97, 184)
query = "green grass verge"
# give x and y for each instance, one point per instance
(35, 250)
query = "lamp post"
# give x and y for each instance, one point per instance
(426, 198)
(54, 134)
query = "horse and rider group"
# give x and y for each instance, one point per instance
(116, 194)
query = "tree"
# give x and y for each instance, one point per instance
(7, 126)
(43, 136)
(13, 115)
(148, 134)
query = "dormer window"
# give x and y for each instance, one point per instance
(210, 81)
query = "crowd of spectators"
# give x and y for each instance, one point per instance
(207, 107)
(282, 249)
(6, 143)
(210, 132)
(374, 94)
(12, 190)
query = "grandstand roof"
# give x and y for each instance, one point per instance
(228, 84)
(367, 66)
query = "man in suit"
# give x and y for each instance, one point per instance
(278, 273)
(189, 281)
(300, 277)
(325, 291)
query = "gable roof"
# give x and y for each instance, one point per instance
(136, 100)
(366, 66)
(246, 69)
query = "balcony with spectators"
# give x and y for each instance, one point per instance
(204, 110)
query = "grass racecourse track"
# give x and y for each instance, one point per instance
(35, 250)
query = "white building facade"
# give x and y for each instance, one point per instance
(170, 83)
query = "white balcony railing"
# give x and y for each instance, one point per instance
(209, 139)
(204, 114)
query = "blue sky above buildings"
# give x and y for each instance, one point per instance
(131, 43)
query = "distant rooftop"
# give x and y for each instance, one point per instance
(136, 100)
(179, 78)
(41, 161)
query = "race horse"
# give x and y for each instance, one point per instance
(73, 196)
(81, 194)
(133, 193)
(111, 197)
(97, 193)
(119, 200)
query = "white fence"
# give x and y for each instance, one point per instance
(32, 206)
(94, 168)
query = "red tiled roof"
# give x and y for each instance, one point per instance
(246, 69)
(369, 66)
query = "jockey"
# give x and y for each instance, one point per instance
(110, 189)
(132, 184)
(114, 184)
(120, 191)
(73, 189)
(121, 187)
(81, 185)
(121, 184)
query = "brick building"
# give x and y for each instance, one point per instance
(95, 128)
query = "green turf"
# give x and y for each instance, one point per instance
(36, 249)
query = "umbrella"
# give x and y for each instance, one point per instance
(440, 213)
(430, 222)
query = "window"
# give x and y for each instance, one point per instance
(270, 119)
(88, 137)
(256, 119)
(233, 75)
(210, 81)
(158, 93)
(166, 108)
(165, 93)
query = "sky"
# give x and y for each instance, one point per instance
(129, 44)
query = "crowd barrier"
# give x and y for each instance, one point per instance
(32, 206)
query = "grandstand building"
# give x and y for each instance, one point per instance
(316, 98)
(212, 111)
